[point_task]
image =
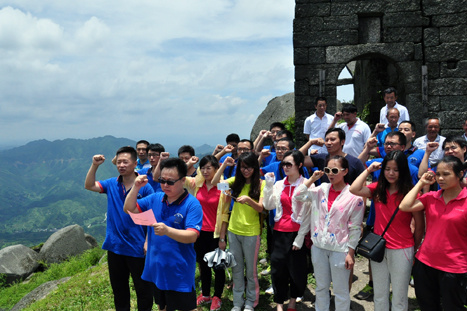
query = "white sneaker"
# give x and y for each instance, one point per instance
(299, 299)
(249, 308)
(270, 290)
(263, 261)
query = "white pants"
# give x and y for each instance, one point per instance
(395, 269)
(330, 266)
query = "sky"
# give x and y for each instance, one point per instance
(184, 72)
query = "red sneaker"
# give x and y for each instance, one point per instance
(216, 303)
(201, 300)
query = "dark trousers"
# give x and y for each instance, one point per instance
(204, 244)
(120, 268)
(287, 267)
(437, 290)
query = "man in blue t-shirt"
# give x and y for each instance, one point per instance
(124, 240)
(154, 155)
(171, 258)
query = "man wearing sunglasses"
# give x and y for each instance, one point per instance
(334, 141)
(171, 258)
(124, 239)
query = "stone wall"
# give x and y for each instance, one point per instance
(391, 41)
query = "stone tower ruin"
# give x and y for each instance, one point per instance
(419, 47)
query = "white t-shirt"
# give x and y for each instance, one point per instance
(316, 127)
(436, 155)
(355, 137)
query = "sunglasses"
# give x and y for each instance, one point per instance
(287, 164)
(168, 182)
(333, 170)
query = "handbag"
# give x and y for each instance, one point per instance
(372, 246)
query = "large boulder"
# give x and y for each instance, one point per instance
(17, 262)
(66, 242)
(278, 109)
(38, 294)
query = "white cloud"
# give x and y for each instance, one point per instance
(90, 68)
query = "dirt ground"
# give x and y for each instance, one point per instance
(360, 280)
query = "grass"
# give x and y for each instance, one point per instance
(10, 295)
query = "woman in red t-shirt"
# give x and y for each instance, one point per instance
(440, 270)
(393, 184)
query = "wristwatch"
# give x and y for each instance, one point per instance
(222, 240)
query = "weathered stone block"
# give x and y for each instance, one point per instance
(402, 6)
(448, 86)
(431, 36)
(317, 55)
(302, 88)
(340, 22)
(459, 71)
(325, 38)
(357, 7)
(435, 7)
(433, 70)
(453, 33)
(405, 19)
(312, 9)
(344, 54)
(418, 51)
(307, 24)
(448, 19)
(433, 104)
(403, 34)
(450, 120)
(453, 103)
(446, 51)
(411, 70)
(300, 56)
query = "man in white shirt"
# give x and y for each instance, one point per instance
(356, 131)
(432, 127)
(317, 124)
(390, 97)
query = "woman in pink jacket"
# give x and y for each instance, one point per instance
(334, 218)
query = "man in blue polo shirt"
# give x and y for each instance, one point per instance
(141, 149)
(154, 155)
(171, 258)
(123, 240)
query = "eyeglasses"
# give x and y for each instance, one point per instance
(287, 164)
(333, 170)
(246, 168)
(243, 150)
(390, 144)
(155, 155)
(168, 182)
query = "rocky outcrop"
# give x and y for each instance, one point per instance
(38, 294)
(66, 242)
(17, 262)
(278, 109)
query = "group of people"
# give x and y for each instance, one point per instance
(312, 197)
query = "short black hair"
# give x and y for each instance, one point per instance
(277, 124)
(155, 147)
(400, 135)
(209, 159)
(290, 142)
(390, 90)
(128, 149)
(186, 148)
(232, 138)
(177, 163)
(349, 108)
(412, 125)
(322, 98)
(247, 141)
(142, 141)
(287, 133)
(340, 132)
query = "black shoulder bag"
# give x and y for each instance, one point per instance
(372, 245)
